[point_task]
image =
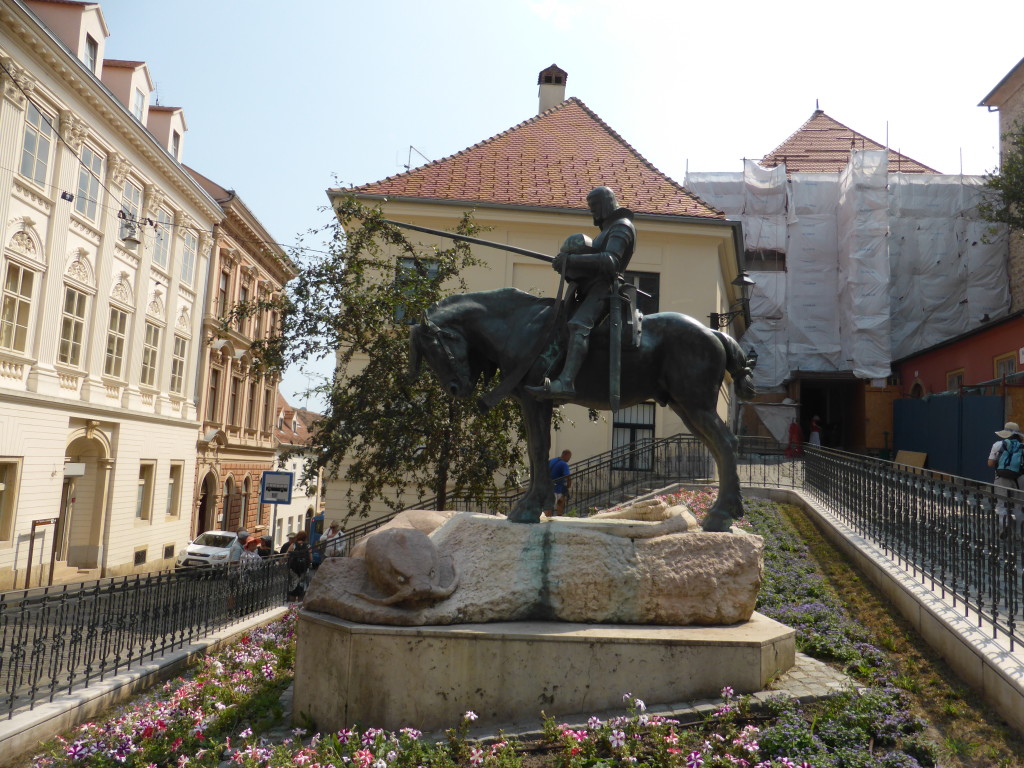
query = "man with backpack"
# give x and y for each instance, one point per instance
(299, 559)
(1007, 457)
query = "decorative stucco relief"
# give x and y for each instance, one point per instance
(73, 129)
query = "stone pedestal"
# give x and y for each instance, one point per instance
(508, 672)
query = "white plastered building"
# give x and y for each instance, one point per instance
(99, 336)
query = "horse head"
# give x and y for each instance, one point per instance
(447, 354)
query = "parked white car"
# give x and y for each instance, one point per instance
(210, 548)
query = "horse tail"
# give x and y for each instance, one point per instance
(736, 365)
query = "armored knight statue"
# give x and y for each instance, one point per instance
(594, 269)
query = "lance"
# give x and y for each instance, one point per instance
(473, 240)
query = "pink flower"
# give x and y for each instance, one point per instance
(476, 756)
(365, 757)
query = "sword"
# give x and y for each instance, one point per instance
(473, 240)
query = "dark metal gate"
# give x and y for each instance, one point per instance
(955, 431)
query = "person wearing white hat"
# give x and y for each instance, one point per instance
(1008, 444)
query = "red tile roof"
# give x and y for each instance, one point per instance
(550, 161)
(822, 145)
(304, 421)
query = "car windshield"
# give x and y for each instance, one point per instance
(214, 539)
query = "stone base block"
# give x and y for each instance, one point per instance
(427, 677)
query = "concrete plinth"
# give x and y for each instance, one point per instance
(427, 677)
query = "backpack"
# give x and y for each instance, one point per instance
(298, 559)
(1011, 457)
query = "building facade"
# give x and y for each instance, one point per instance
(105, 250)
(238, 402)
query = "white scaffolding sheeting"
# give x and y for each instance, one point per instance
(812, 274)
(878, 265)
(722, 190)
(765, 200)
(767, 330)
(863, 258)
(945, 278)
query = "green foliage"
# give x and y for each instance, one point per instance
(1005, 202)
(383, 432)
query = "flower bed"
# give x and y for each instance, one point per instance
(222, 710)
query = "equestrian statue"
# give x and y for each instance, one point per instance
(666, 357)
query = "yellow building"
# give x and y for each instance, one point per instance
(528, 186)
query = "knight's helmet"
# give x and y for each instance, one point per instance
(602, 202)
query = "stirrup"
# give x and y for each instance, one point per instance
(552, 390)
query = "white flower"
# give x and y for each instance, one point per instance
(471, 715)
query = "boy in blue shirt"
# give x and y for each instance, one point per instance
(559, 470)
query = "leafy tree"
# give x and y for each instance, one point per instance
(382, 431)
(1005, 202)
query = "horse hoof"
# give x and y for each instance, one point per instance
(717, 522)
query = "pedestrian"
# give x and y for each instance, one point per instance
(1006, 457)
(299, 561)
(815, 436)
(250, 554)
(558, 468)
(333, 541)
(288, 544)
(266, 547)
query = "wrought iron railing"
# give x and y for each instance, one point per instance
(624, 473)
(955, 535)
(57, 639)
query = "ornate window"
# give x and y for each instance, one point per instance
(35, 150)
(72, 327)
(250, 409)
(16, 307)
(213, 396)
(162, 238)
(188, 256)
(235, 403)
(243, 298)
(117, 331)
(222, 293)
(178, 357)
(89, 174)
(150, 355)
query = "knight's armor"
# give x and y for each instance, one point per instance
(594, 269)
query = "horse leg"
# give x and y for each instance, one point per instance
(540, 495)
(712, 431)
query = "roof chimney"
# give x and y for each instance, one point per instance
(552, 87)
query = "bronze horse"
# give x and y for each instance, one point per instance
(679, 363)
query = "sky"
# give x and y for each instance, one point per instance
(284, 100)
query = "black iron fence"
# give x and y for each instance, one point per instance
(54, 640)
(956, 536)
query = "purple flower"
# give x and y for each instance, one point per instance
(617, 739)
(694, 760)
(728, 692)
